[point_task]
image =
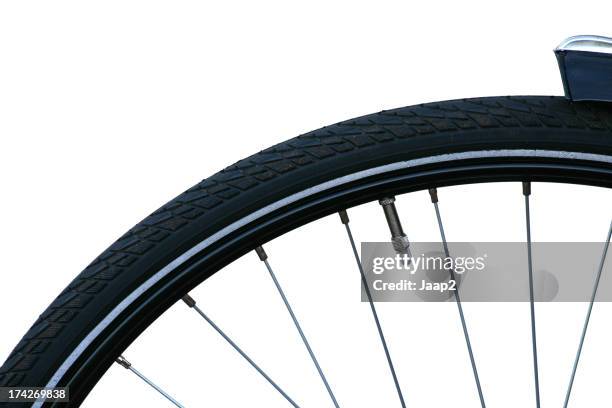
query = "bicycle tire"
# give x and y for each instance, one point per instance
(576, 136)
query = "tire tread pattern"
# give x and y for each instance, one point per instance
(480, 114)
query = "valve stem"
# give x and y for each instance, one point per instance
(398, 237)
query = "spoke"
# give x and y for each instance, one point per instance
(588, 316)
(126, 364)
(434, 199)
(527, 193)
(264, 258)
(192, 304)
(345, 220)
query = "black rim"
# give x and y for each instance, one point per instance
(94, 362)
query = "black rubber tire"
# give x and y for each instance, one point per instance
(550, 123)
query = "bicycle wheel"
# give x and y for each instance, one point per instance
(157, 262)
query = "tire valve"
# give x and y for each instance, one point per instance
(399, 240)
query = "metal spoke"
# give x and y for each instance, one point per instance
(527, 193)
(192, 304)
(126, 364)
(345, 220)
(264, 258)
(588, 316)
(434, 199)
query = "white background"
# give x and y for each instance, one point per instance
(108, 109)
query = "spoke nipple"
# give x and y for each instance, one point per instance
(261, 253)
(123, 362)
(526, 188)
(344, 217)
(189, 301)
(433, 193)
